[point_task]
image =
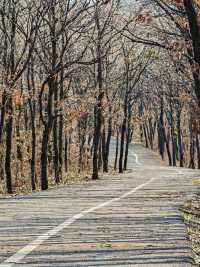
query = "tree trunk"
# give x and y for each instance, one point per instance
(180, 145)
(2, 116)
(117, 150)
(174, 152)
(100, 154)
(105, 168)
(192, 148)
(33, 173)
(9, 130)
(161, 130)
(151, 132)
(44, 155)
(123, 131)
(128, 137)
(121, 155)
(145, 135)
(66, 154)
(55, 135)
(60, 131)
(141, 125)
(45, 137)
(168, 147)
(108, 139)
(97, 134)
(55, 150)
(32, 106)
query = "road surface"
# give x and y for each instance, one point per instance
(124, 220)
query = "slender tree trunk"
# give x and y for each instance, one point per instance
(9, 130)
(51, 119)
(32, 107)
(2, 122)
(128, 137)
(100, 154)
(161, 131)
(141, 125)
(174, 152)
(66, 154)
(44, 175)
(97, 135)
(192, 148)
(2, 119)
(98, 106)
(108, 139)
(117, 150)
(103, 138)
(168, 147)
(121, 155)
(9, 104)
(151, 133)
(60, 131)
(180, 145)
(69, 151)
(4, 96)
(126, 149)
(45, 138)
(123, 131)
(81, 147)
(145, 136)
(33, 173)
(148, 134)
(55, 137)
(82, 126)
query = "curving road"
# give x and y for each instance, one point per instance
(125, 220)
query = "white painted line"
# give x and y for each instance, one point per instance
(22, 253)
(136, 158)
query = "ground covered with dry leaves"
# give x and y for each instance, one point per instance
(191, 214)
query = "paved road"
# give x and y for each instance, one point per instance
(126, 220)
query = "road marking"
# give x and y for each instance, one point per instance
(136, 158)
(22, 253)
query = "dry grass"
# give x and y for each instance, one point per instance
(191, 215)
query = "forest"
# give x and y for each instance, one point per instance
(77, 75)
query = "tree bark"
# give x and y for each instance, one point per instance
(128, 137)
(97, 135)
(66, 154)
(116, 150)
(121, 155)
(108, 139)
(192, 147)
(180, 145)
(161, 130)
(9, 131)
(32, 106)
